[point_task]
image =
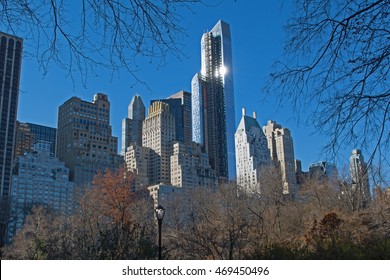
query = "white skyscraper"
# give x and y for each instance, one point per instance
(280, 145)
(252, 153)
(158, 134)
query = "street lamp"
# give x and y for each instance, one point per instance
(160, 212)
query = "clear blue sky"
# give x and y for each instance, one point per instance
(257, 41)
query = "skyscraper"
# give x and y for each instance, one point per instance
(252, 153)
(84, 139)
(158, 135)
(359, 176)
(281, 147)
(132, 125)
(213, 113)
(10, 66)
(180, 107)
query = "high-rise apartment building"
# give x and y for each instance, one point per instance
(280, 145)
(252, 154)
(28, 133)
(132, 125)
(213, 113)
(39, 179)
(360, 183)
(10, 68)
(84, 139)
(180, 107)
(190, 167)
(158, 133)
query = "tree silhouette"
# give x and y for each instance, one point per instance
(337, 57)
(96, 33)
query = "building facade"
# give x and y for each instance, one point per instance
(39, 179)
(132, 125)
(252, 154)
(359, 176)
(190, 167)
(281, 148)
(24, 139)
(45, 133)
(84, 139)
(137, 162)
(213, 114)
(10, 68)
(180, 107)
(158, 135)
(28, 133)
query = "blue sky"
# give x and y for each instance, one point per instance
(257, 41)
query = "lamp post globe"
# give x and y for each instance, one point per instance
(160, 213)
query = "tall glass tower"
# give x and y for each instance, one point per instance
(213, 115)
(10, 65)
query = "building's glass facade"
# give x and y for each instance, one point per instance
(10, 65)
(213, 101)
(44, 133)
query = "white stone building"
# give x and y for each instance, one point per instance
(252, 153)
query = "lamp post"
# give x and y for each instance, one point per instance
(160, 212)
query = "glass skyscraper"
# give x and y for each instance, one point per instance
(213, 113)
(10, 65)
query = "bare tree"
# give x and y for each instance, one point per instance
(337, 57)
(96, 33)
(111, 223)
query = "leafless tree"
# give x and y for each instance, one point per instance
(111, 223)
(336, 63)
(82, 36)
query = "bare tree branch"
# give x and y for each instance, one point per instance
(92, 34)
(336, 65)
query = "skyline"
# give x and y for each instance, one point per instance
(257, 38)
